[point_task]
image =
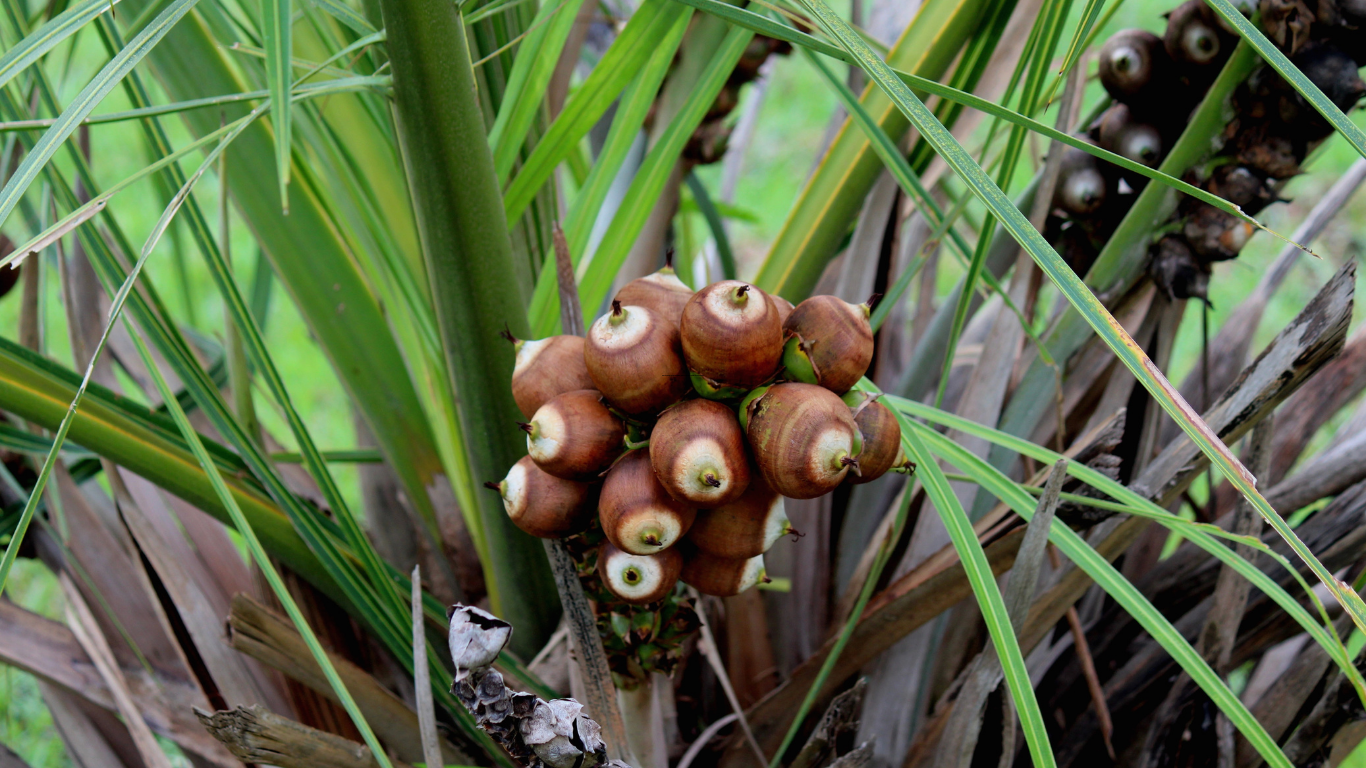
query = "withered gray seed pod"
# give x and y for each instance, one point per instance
(476, 638)
(559, 734)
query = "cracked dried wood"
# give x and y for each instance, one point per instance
(1306, 344)
(257, 735)
(272, 639)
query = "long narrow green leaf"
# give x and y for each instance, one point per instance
(1201, 535)
(277, 29)
(654, 172)
(632, 108)
(988, 595)
(116, 308)
(1081, 298)
(632, 48)
(86, 101)
(346, 15)
(714, 223)
(43, 39)
(259, 555)
(530, 76)
(1133, 601)
(1303, 85)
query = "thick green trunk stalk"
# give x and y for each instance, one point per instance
(476, 283)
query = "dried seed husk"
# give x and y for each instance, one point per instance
(639, 579)
(881, 433)
(635, 360)
(1215, 235)
(637, 514)
(575, 436)
(1130, 61)
(546, 506)
(660, 292)
(1193, 35)
(744, 528)
(546, 368)
(732, 334)
(802, 437)
(1176, 271)
(698, 454)
(836, 340)
(720, 576)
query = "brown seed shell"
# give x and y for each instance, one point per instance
(881, 442)
(744, 528)
(1192, 35)
(546, 506)
(783, 305)
(637, 514)
(635, 360)
(655, 574)
(575, 436)
(838, 337)
(660, 292)
(546, 368)
(732, 335)
(1129, 61)
(698, 453)
(721, 576)
(802, 438)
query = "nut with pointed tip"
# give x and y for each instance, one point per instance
(639, 579)
(881, 437)
(635, 360)
(721, 576)
(546, 368)
(637, 514)
(1122, 134)
(1192, 36)
(803, 439)
(744, 528)
(660, 292)
(1130, 61)
(732, 334)
(698, 453)
(543, 505)
(574, 436)
(1081, 185)
(835, 342)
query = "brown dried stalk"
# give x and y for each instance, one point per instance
(256, 735)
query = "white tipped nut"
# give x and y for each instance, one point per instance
(476, 638)
(561, 736)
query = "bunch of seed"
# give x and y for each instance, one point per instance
(1156, 82)
(682, 421)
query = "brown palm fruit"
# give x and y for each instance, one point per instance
(732, 335)
(830, 342)
(543, 505)
(637, 514)
(660, 292)
(546, 368)
(1192, 35)
(1176, 271)
(634, 359)
(744, 528)
(1122, 134)
(639, 579)
(1130, 62)
(1215, 235)
(574, 436)
(803, 439)
(1081, 185)
(784, 306)
(721, 576)
(698, 453)
(880, 435)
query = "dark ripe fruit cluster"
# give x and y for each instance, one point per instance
(1156, 82)
(681, 423)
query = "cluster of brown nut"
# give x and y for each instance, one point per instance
(682, 421)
